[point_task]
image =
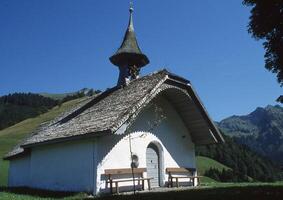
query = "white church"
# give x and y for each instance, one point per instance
(140, 134)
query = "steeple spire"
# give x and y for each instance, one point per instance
(131, 24)
(129, 57)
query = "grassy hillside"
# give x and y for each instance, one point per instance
(17, 107)
(12, 135)
(204, 164)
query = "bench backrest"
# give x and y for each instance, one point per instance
(124, 171)
(180, 170)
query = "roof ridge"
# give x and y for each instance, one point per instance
(140, 102)
(72, 112)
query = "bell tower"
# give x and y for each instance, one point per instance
(129, 57)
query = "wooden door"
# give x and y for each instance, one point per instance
(152, 164)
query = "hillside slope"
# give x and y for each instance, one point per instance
(205, 163)
(12, 135)
(261, 130)
(20, 106)
(244, 162)
(17, 107)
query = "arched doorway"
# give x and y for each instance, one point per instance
(153, 164)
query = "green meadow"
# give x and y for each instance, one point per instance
(10, 136)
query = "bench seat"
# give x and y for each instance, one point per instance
(187, 173)
(138, 177)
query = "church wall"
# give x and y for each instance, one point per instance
(67, 166)
(170, 135)
(19, 171)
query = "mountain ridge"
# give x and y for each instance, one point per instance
(261, 130)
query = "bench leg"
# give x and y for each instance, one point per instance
(193, 181)
(111, 186)
(117, 187)
(177, 182)
(142, 184)
(148, 184)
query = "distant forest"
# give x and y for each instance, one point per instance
(246, 165)
(20, 106)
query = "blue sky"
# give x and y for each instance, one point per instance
(60, 46)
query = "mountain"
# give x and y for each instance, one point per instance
(261, 130)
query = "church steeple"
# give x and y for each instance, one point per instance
(129, 57)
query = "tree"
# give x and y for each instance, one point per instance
(266, 22)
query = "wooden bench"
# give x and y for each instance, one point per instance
(186, 173)
(138, 176)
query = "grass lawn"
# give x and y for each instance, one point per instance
(10, 136)
(215, 191)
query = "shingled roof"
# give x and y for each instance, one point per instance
(105, 113)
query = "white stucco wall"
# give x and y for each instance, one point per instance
(19, 172)
(171, 135)
(66, 166)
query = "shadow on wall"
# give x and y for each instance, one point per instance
(171, 132)
(109, 143)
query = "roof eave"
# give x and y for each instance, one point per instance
(71, 138)
(185, 84)
(216, 136)
(17, 155)
(214, 130)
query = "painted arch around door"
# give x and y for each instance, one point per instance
(154, 163)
